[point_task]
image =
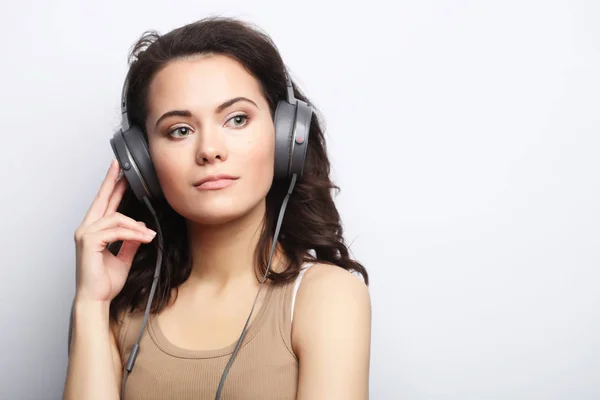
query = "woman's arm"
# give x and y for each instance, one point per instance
(94, 370)
(331, 335)
(94, 364)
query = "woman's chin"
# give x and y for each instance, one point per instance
(222, 215)
(214, 219)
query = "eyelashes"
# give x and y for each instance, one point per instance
(179, 129)
(237, 117)
(237, 121)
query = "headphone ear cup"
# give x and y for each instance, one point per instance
(131, 149)
(138, 146)
(300, 135)
(285, 116)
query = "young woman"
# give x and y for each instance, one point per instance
(205, 96)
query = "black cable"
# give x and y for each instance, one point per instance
(134, 351)
(273, 247)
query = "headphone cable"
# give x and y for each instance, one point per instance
(135, 349)
(273, 247)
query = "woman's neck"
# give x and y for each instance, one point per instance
(225, 253)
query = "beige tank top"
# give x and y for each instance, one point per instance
(264, 368)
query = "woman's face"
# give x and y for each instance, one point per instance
(211, 138)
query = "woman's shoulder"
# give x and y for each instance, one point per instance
(328, 288)
(324, 277)
(332, 311)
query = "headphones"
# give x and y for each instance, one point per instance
(292, 125)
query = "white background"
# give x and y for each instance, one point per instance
(464, 136)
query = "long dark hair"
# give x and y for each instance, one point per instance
(311, 222)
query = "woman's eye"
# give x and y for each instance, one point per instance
(237, 121)
(180, 131)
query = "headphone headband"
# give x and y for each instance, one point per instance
(289, 88)
(124, 117)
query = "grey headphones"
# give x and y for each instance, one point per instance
(292, 125)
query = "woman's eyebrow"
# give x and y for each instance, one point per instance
(220, 108)
(233, 101)
(178, 113)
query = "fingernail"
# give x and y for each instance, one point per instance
(151, 233)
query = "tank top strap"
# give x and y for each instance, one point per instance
(130, 324)
(286, 302)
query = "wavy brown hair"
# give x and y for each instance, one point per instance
(311, 221)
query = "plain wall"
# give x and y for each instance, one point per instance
(464, 136)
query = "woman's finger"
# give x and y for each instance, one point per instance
(98, 207)
(116, 197)
(98, 241)
(127, 251)
(118, 220)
